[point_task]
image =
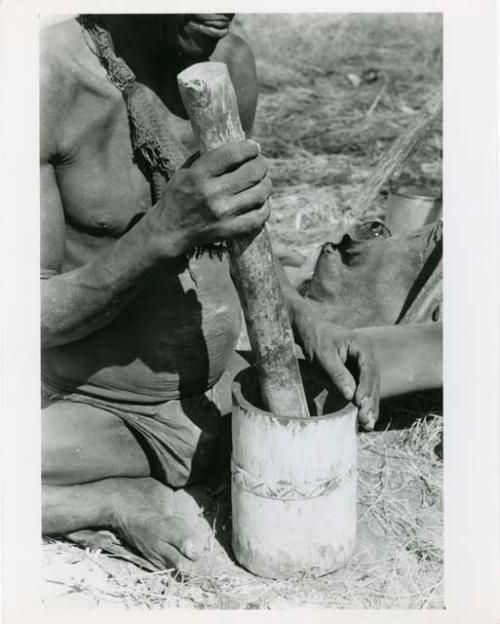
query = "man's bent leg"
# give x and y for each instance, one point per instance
(83, 443)
(95, 476)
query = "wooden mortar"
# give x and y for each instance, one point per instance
(294, 482)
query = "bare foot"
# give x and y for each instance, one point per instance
(158, 523)
(102, 539)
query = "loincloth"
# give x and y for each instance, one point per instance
(181, 438)
(184, 439)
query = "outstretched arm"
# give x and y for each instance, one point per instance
(410, 357)
(346, 357)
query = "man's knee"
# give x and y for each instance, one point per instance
(81, 443)
(62, 444)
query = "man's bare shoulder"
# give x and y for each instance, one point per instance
(66, 60)
(235, 52)
(68, 70)
(61, 45)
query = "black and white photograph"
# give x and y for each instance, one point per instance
(241, 319)
(158, 162)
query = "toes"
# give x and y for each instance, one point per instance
(188, 541)
(94, 540)
(168, 557)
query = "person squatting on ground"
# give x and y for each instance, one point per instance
(139, 314)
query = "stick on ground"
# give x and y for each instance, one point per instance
(398, 153)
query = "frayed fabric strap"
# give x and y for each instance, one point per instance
(157, 151)
(155, 147)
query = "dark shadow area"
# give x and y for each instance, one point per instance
(322, 398)
(433, 259)
(161, 328)
(402, 411)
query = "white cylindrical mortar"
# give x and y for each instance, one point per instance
(293, 482)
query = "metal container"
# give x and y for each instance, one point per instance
(293, 482)
(409, 208)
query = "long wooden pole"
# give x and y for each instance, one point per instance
(210, 101)
(398, 152)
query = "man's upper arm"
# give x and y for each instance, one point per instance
(52, 227)
(51, 223)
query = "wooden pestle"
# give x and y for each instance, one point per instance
(210, 101)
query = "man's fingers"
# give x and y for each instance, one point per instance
(367, 392)
(248, 175)
(249, 222)
(252, 198)
(248, 210)
(341, 377)
(363, 360)
(368, 414)
(228, 157)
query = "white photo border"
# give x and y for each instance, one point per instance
(471, 363)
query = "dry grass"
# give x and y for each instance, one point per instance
(398, 561)
(315, 125)
(323, 136)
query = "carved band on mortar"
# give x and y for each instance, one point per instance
(286, 491)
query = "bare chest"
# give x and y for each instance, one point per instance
(103, 187)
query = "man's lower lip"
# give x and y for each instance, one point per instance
(216, 20)
(217, 30)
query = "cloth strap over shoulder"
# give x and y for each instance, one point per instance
(157, 151)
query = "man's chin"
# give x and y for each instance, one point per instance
(196, 52)
(198, 41)
(186, 50)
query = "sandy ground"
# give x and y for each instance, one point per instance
(397, 561)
